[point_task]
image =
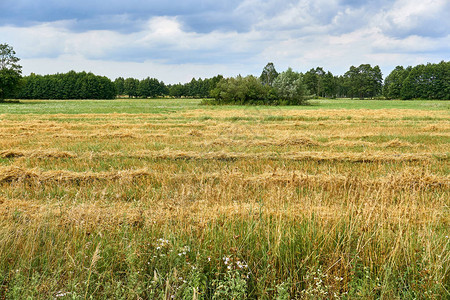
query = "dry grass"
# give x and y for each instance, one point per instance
(367, 190)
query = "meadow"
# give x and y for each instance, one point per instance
(169, 199)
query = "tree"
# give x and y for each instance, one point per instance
(314, 81)
(151, 87)
(241, 90)
(130, 87)
(268, 75)
(329, 85)
(10, 71)
(364, 81)
(290, 88)
(119, 83)
(394, 82)
(430, 81)
(71, 85)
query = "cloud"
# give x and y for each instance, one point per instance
(429, 18)
(228, 36)
(101, 15)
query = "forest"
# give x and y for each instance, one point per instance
(430, 81)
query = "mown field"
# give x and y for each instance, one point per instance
(167, 199)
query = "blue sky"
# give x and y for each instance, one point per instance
(177, 40)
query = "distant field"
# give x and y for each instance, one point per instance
(134, 106)
(160, 199)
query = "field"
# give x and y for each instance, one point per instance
(163, 199)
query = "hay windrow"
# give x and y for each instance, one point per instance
(169, 154)
(113, 215)
(296, 156)
(36, 154)
(405, 180)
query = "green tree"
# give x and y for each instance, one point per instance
(71, 85)
(394, 81)
(329, 85)
(10, 71)
(364, 81)
(130, 87)
(431, 81)
(290, 88)
(268, 75)
(313, 79)
(119, 83)
(177, 90)
(241, 90)
(151, 87)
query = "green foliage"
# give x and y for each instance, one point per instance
(393, 83)
(313, 80)
(431, 81)
(289, 88)
(120, 85)
(286, 89)
(130, 87)
(232, 286)
(364, 81)
(71, 85)
(10, 71)
(268, 75)
(242, 90)
(200, 88)
(151, 88)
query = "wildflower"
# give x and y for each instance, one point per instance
(62, 294)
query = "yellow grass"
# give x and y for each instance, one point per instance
(384, 172)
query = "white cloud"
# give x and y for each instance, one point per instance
(415, 17)
(301, 34)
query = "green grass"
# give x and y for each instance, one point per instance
(167, 106)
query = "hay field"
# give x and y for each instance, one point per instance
(194, 202)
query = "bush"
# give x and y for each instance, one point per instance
(288, 89)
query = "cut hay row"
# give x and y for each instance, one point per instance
(216, 138)
(217, 135)
(411, 178)
(36, 154)
(394, 114)
(112, 215)
(6, 127)
(227, 156)
(306, 141)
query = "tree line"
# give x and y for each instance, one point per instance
(294, 88)
(152, 87)
(71, 85)
(430, 81)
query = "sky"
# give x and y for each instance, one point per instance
(176, 40)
